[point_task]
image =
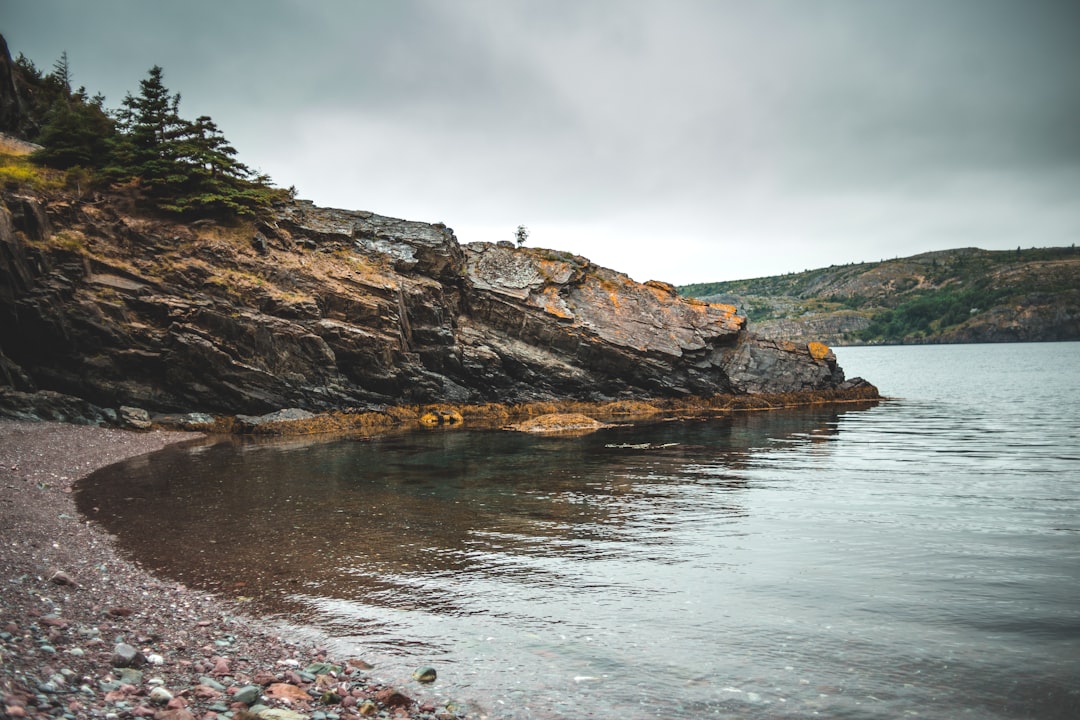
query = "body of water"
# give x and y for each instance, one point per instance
(920, 558)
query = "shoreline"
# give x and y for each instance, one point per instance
(55, 407)
(69, 599)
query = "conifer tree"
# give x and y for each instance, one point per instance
(61, 73)
(170, 163)
(150, 128)
(75, 130)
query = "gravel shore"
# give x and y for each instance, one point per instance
(85, 633)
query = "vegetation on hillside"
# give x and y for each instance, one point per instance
(144, 147)
(922, 298)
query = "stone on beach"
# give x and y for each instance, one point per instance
(249, 694)
(125, 656)
(160, 696)
(285, 691)
(425, 674)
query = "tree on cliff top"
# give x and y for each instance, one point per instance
(172, 164)
(184, 167)
(74, 128)
(76, 133)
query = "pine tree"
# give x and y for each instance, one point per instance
(61, 73)
(205, 146)
(170, 163)
(150, 126)
(75, 131)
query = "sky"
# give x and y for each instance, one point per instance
(676, 140)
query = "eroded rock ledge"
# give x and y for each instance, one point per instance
(327, 311)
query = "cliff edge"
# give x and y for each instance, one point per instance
(323, 309)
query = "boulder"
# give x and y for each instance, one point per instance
(134, 418)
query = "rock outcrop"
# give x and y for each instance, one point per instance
(321, 309)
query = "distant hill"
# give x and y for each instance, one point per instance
(950, 296)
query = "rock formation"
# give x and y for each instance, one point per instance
(323, 309)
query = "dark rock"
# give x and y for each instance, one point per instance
(425, 674)
(134, 418)
(125, 656)
(184, 421)
(249, 694)
(52, 406)
(759, 365)
(391, 698)
(61, 578)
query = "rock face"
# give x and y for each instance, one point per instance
(322, 309)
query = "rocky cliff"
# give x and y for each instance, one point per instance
(326, 309)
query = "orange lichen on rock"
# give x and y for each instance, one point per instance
(818, 351)
(638, 408)
(554, 304)
(434, 416)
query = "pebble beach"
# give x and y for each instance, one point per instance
(85, 633)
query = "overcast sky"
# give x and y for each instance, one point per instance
(685, 141)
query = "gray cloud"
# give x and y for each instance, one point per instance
(682, 140)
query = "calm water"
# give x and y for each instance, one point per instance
(920, 558)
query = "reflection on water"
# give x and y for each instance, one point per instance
(385, 520)
(920, 557)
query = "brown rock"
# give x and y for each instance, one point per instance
(264, 677)
(391, 698)
(285, 691)
(60, 577)
(177, 714)
(559, 423)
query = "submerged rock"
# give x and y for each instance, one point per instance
(425, 674)
(559, 423)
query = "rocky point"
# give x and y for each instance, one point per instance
(319, 309)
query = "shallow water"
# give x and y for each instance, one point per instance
(919, 558)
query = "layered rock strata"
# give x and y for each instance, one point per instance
(323, 309)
